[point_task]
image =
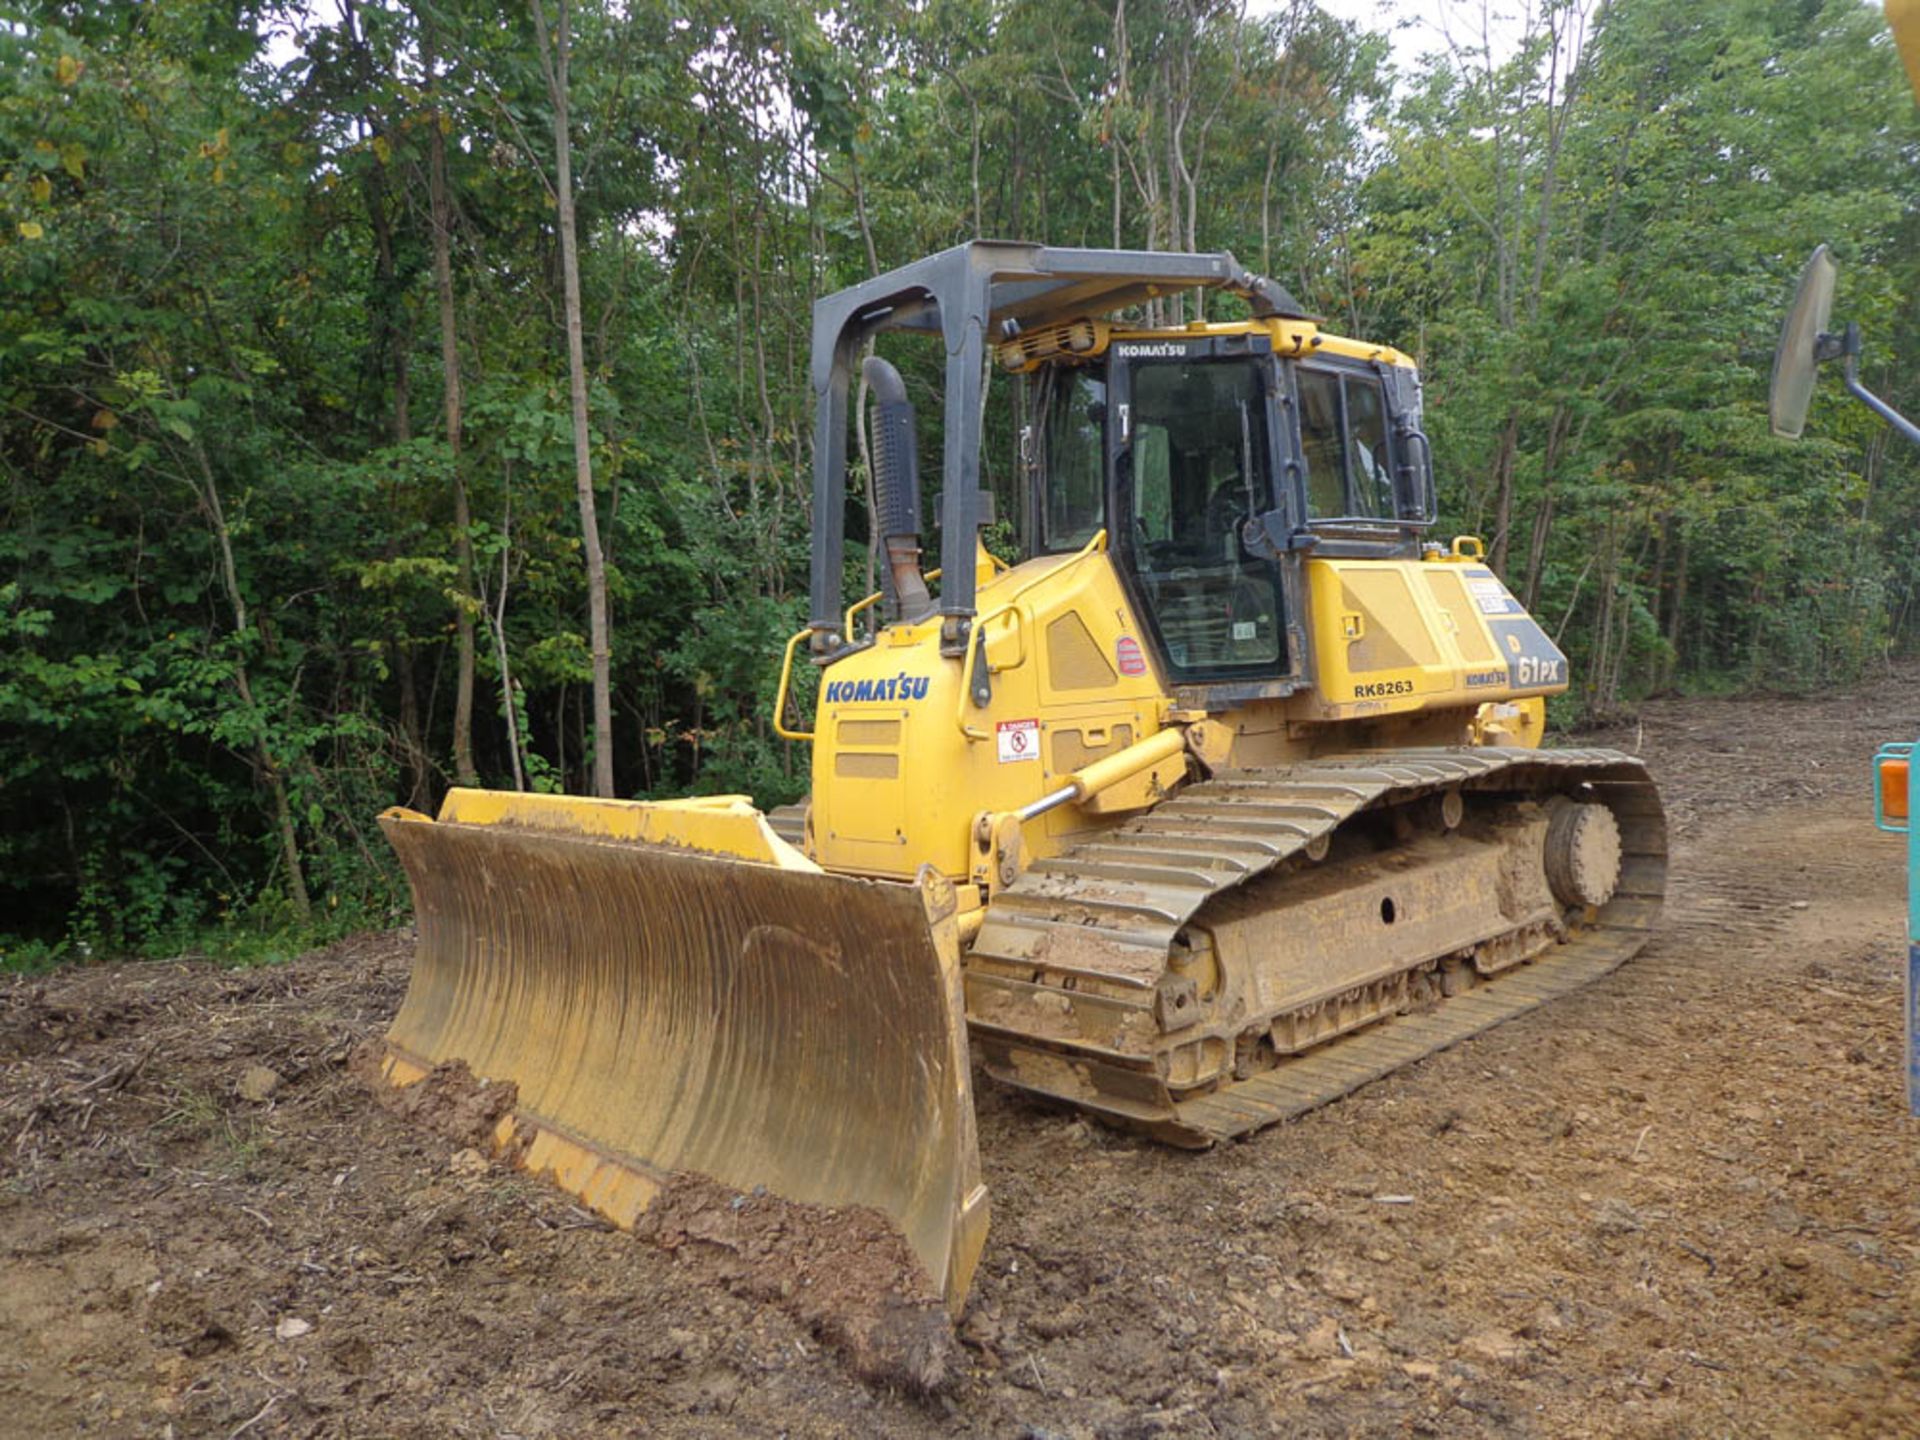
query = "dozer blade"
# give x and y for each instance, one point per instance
(673, 988)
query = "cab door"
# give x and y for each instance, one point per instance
(1194, 443)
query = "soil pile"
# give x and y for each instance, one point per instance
(846, 1273)
(448, 1100)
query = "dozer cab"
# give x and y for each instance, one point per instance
(1223, 801)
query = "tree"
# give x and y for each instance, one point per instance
(555, 56)
(441, 203)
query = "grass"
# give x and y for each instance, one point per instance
(32, 957)
(243, 942)
(203, 1115)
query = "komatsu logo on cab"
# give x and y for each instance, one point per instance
(893, 687)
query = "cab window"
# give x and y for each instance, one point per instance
(1075, 410)
(1343, 434)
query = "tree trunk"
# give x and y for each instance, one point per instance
(442, 205)
(268, 769)
(391, 332)
(1557, 435)
(1537, 550)
(1266, 210)
(390, 328)
(1679, 612)
(412, 739)
(860, 210)
(516, 742)
(553, 61)
(1503, 462)
(1119, 94)
(1556, 133)
(1598, 700)
(1657, 592)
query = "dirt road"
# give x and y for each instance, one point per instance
(1684, 1202)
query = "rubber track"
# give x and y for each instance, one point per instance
(1135, 888)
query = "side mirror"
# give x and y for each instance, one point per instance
(1798, 355)
(1805, 342)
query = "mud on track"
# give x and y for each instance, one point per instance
(1686, 1201)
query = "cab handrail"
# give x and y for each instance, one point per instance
(786, 680)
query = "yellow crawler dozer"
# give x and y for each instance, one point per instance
(1224, 801)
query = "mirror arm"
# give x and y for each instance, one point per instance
(1902, 426)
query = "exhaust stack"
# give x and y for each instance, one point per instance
(896, 489)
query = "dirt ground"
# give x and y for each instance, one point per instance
(1680, 1203)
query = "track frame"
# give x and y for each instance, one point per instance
(1077, 980)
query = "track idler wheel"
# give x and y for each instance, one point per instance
(1582, 852)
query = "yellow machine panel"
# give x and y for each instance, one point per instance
(911, 759)
(1395, 636)
(914, 758)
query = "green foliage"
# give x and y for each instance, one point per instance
(230, 584)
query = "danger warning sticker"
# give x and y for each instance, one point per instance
(1126, 654)
(1018, 740)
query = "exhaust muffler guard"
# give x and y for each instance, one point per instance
(698, 1000)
